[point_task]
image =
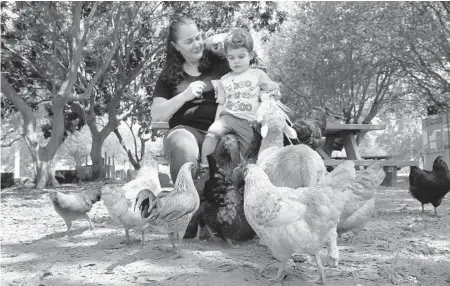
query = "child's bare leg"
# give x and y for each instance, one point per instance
(209, 145)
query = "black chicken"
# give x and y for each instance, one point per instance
(222, 206)
(430, 187)
(222, 209)
(309, 132)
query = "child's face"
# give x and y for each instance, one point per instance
(239, 59)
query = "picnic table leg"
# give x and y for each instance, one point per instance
(351, 147)
(328, 145)
(391, 176)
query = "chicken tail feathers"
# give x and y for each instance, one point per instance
(94, 194)
(212, 162)
(145, 201)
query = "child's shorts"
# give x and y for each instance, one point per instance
(227, 124)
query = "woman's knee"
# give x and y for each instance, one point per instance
(180, 146)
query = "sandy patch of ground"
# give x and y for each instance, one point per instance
(398, 247)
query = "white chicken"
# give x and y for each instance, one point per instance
(119, 200)
(170, 211)
(292, 220)
(291, 166)
(302, 220)
(360, 207)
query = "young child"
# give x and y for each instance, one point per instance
(238, 95)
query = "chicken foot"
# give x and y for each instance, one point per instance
(279, 276)
(175, 249)
(261, 271)
(231, 244)
(355, 235)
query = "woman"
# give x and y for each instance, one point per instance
(184, 94)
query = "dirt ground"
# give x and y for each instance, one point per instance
(399, 247)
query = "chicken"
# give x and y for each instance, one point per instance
(222, 210)
(360, 206)
(430, 186)
(74, 206)
(293, 220)
(119, 200)
(291, 166)
(309, 132)
(171, 211)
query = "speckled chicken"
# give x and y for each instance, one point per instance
(119, 201)
(293, 220)
(75, 206)
(170, 211)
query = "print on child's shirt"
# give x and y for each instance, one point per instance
(238, 94)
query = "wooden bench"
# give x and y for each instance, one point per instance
(390, 167)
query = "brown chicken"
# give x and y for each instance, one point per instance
(75, 206)
(170, 211)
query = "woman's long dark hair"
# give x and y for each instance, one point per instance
(173, 72)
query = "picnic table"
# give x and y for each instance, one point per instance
(349, 132)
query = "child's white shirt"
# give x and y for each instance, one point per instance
(239, 93)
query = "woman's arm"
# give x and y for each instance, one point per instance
(163, 109)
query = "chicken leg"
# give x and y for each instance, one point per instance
(68, 224)
(197, 236)
(91, 226)
(321, 279)
(176, 249)
(333, 251)
(127, 237)
(142, 238)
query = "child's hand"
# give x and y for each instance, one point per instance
(270, 86)
(273, 94)
(276, 94)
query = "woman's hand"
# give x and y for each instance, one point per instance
(194, 90)
(214, 43)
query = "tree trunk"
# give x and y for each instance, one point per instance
(45, 175)
(41, 162)
(131, 158)
(96, 156)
